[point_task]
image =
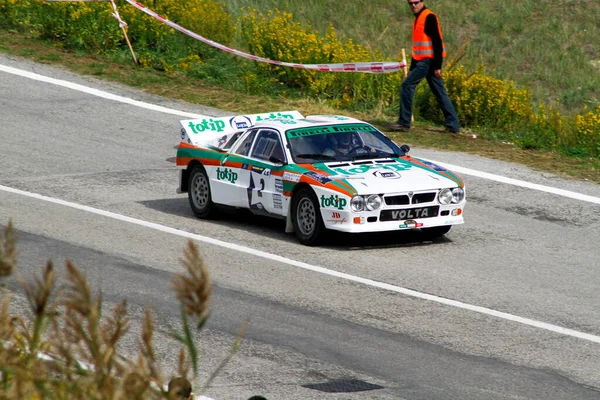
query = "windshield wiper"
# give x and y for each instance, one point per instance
(366, 156)
(316, 156)
(378, 154)
(385, 154)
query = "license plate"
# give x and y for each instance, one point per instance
(410, 213)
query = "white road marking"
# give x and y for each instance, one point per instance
(314, 268)
(455, 168)
(517, 182)
(96, 92)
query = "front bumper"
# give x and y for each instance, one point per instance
(348, 221)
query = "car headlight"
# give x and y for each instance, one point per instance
(445, 196)
(458, 194)
(373, 202)
(357, 204)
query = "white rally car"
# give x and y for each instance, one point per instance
(318, 173)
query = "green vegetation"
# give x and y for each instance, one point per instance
(552, 47)
(64, 348)
(485, 40)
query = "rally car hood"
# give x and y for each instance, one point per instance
(390, 175)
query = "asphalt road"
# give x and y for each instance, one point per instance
(528, 254)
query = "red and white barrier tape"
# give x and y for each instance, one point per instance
(115, 14)
(368, 67)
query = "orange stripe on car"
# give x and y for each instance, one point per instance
(350, 190)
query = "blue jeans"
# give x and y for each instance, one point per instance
(421, 70)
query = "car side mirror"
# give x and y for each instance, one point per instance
(276, 160)
(405, 148)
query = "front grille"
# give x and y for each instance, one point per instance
(397, 200)
(403, 199)
(419, 198)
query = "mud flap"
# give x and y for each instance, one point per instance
(289, 226)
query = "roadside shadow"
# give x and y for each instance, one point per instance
(274, 228)
(382, 240)
(231, 218)
(177, 206)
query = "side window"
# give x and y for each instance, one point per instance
(268, 144)
(244, 147)
(232, 140)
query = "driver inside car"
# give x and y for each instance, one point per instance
(343, 144)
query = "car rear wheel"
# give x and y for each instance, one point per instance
(199, 193)
(436, 231)
(306, 218)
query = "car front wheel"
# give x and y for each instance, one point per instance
(199, 193)
(306, 217)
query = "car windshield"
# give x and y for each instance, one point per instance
(340, 142)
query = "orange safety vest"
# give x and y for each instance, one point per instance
(422, 47)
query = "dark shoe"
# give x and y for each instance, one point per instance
(394, 126)
(450, 130)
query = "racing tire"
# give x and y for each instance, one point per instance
(306, 218)
(199, 194)
(436, 231)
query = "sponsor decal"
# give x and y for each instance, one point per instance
(226, 174)
(322, 179)
(336, 218)
(409, 214)
(240, 122)
(340, 117)
(333, 201)
(278, 185)
(409, 223)
(287, 121)
(395, 167)
(294, 133)
(277, 201)
(259, 170)
(274, 116)
(414, 213)
(222, 141)
(288, 176)
(207, 125)
(386, 174)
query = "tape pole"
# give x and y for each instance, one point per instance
(122, 25)
(366, 67)
(412, 117)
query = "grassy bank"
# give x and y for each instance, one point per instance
(179, 86)
(552, 47)
(492, 109)
(499, 109)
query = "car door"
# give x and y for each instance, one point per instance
(230, 179)
(266, 162)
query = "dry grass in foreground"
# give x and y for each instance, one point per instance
(68, 350)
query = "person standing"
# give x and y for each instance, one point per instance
(428, 53)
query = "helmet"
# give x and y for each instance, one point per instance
(344, 140)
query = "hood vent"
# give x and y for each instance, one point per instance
(349, 164)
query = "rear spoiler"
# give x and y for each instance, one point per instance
(215, 132)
